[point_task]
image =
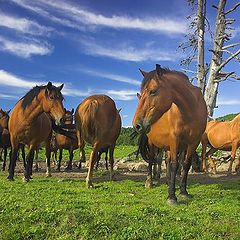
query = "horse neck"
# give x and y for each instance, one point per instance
(184, 98)
(34, 109)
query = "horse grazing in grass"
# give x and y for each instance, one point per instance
(98, 122)
(30, 123)
(63, 142)
(221, 136)
(5, 137)
(171, 115)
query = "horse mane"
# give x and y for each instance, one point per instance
(151, 74)
(29, 96)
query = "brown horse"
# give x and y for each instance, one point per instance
(100, 152)
(63, 142)
(29, 123)
(98, 122)
(221, 136)
(173, 114)
(5, 137)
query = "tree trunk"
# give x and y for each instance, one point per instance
(201, 31)
(219, 38)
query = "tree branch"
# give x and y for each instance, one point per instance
(231, 45)
(224, 76)
(232, 9)
(230, 53)
(227, 61)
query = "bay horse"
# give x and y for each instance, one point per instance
(172, 115)
(221, 136)
(30, 124)
(5, 137)
(98, 122)
(64, 142)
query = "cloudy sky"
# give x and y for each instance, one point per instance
(94, 47)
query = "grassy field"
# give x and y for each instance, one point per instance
(120, 152)
(62, 208)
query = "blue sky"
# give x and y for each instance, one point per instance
(95, 47)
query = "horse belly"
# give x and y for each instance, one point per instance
(220, 140)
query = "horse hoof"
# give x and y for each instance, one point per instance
(185, 195)
(68, 169)
(148, 183)
(171, 201)
(89, 184)
(48, 175)
(25, 179)
(112, 178)
(10, 179)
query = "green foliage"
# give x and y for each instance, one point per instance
(228, 117)
(65, 209)
(125, 139)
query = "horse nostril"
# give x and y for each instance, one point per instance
(138, 127)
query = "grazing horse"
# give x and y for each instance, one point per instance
(30, 123)
(98, 122)
(171, 115)
(221, 136)
(5, 137)
(63, 142)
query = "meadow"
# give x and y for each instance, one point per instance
(62, 208)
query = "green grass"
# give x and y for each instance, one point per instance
(120, 152)
(47, 208)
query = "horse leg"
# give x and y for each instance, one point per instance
(149, 181)
(159, 164)
(211, 162)
(167, 162)
(186, 166)
(233, 154)
(48, 158)
(92, 160)
(4, 158)
(173, 167)
(23, 156)
(237, 168)
(59, 159)
(36, 160)
(13, 159)
(111, 161)
(27, 172)
(203, 154)
(82, 156)
(69, 166)
(98, 160)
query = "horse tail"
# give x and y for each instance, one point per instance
(89, 118)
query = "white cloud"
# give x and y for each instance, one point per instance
(124, 95)
(11, 80)
(111, 76)
(23, 25)
(129, 53)
(26, 48)
(7, 96)
(75, 15)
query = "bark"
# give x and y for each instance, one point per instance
(219, 38)
(201, 31)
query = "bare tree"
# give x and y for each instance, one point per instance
(222, 54)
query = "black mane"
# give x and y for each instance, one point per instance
(151, 75)
(28, 98)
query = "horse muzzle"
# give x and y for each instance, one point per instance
(142, 127)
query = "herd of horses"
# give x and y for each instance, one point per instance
(171, 116)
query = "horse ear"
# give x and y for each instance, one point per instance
(159, 70)
(65, 109)
(60, 87)
(49, 86)
(72, 111)
(143, 73)
(138, 95)
(119, 110)
(8, 111)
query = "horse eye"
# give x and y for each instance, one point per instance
(51, 97)
(153, 92)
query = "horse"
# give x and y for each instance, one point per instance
(63, 142)
(100, 152)
(171, 115)
(30, 124)
(98, 122)
(5, 137)
(221, 136)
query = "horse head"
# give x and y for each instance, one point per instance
(155, 99)
(4, 118)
